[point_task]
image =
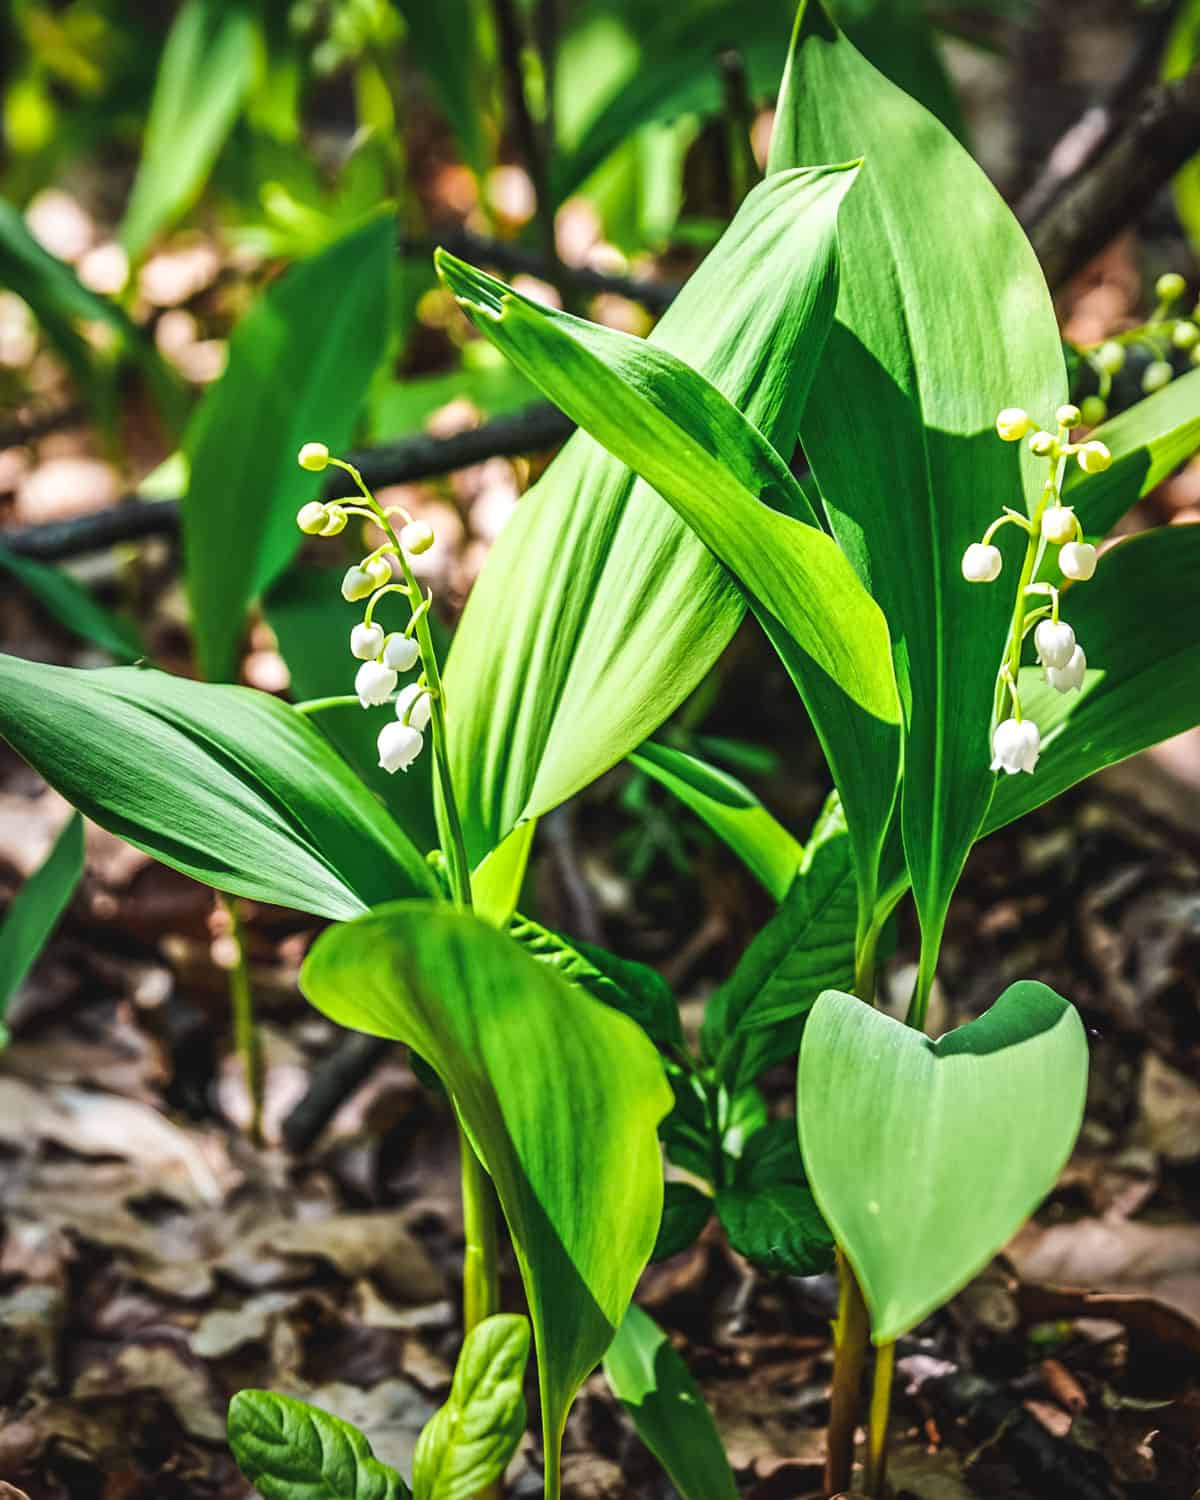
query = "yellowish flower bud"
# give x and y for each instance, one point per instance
(1156, 375)
(314, 457)
(1093, 410)
(1185, 335)
(1094, 457)
(417, 537)
(1110, 357)
(1012, 424)
(1043, 444)
(1067, 416)
(336, 521)
(1170, 286)
(312, 518)
(1058, 524)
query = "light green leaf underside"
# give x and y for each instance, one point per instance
(34, 911)
(289, 1450)
(560, 1096)
(226, 784)
(925, 1157)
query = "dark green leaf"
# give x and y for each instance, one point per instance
(34, 911)
(448, 41)
(777, 1228)
(289, 1450)
(71, 605)
(686, 1211)
(771, 1157)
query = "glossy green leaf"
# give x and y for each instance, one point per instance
(226, 784)
(924, 1156)
(551, 686)
(686, 1210)
(497, 880)
(655, 1387)
(289, 1450)
(778, 1228)
(730, 809)
(730, 485)
(448, 41)
(1147, 442)
(206, 68)
(943, 318)
(299, 364)
(34, 911)
(559, 1095)
(73, 606)
(1139, 625)
(468, 1442)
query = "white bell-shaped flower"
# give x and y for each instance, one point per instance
(399, 745)
(1078, 561)
(414, 706)
(366, 641)
(379, 571)
(400, 652)
(1058, 524)
(312, 518)
(1069, 678)
(981, 563)
(417, 537)
(1055, 640)
(314, 457)
(1015, 746)
(356, 585)
(374, 683)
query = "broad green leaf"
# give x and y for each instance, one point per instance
(730, 809)
(1139, 625)
(729, 484)
(655, 1387)
(943, 318)
(552, 685)
(924, 1156)
(289, 1450)
(1147, 442)
(226, 784)
(34, 911)
(777, 1228)
(73, 606)
(559, 1095)
(299, 364)
(468, 1442)
(686, 1210)
(756, 1018)
(207, 67)
(451, 41)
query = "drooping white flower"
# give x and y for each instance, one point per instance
(1058, 523)
(314, 457)
(356, 585)
(400, 652)
(366, 641)
(417, 537)
(336, 521)
(1094, 457)
(379, 571)
(312, 518)
(1015, 746)
(374, 683)
(1054, 640)
(1068, 415)
(1012, 424)
(1070, 677)
(414, 706)
(1078, 561)
(981, 563)
(1043, 443)
(399, 745)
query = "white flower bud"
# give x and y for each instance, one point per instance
(1093, 410)
(399, 745)
(1156, 375)
(1043, 444)
(1058, 523)
(981, 563)
(1094, 458)
(366, 641)
(1012, 424)
(379, 571)
(356, 585)
(374, 683)
(414, 706)
(1067, 416)
(1015, 746)
(1054, 640)
(1185, 335)
(400, 652)
(336, 521)
(417, 537)
(314, 457)
(1078, 561)
(1110, 358)
(312, 518)
(1170, 286)
(1069, 678)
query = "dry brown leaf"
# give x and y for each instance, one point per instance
(1169, 1111)
(167, 1372)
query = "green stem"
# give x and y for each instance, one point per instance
(877, 1425)
(851, 1334)
(245, 1031)
(481, 1292)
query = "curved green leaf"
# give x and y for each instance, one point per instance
(559, 1095)
(943, 318)
(777, 1227)
(656, 1388)
(468, 1442)
(73, 606)
(226, 784)
(299, 363)
(34, 911)
(730, 809)
(289, 1450)
(686, 1210)
(926, 1156)
(551, 686)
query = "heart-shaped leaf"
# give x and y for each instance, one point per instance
(289, 1450)
(926, 1156)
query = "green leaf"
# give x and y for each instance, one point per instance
(448, 41)
(73, 606)
(497, 880)
(777, 1228)
(924, 1156)
(655, 1387)
(226, 784)
(34, 911)
(553, 685)
(289, 1450)
(757, 1016)
(1147, 442)
(469, 1441)
(730, 809)
(1139, 626)
(299, 364)
(559, 1095)
(724, 478)
(206, 69)
(943, 318)
(686, 1210)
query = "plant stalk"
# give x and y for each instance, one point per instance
(851, 1333)
(245, 1029)
(877, 1425)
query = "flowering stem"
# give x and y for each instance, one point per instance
(1035, 550)
(245, 1030)
(851, 1333)
(877, 1425)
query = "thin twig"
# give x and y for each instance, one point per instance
(332, 1083)
(529, 139)
(28, 428)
